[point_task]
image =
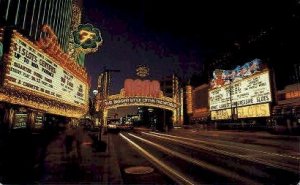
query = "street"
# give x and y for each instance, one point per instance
(181, 156)
(224, 157)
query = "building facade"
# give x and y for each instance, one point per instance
(41, 84)
(287, 111)
(28, 16)
(200, 107)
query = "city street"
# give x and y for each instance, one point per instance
(149, 92)
(181, 156)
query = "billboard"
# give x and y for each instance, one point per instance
(224, 77)
(252, 90)
(30, 69)
(252, 111)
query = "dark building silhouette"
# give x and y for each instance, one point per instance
(276, 44)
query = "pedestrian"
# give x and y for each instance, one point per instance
(69, 139)
(79, 134)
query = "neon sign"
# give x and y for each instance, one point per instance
(142, 88)
(87, 38)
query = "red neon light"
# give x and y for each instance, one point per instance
(141, 88)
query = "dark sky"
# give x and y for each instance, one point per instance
(171, 36)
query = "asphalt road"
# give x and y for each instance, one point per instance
(193, 156)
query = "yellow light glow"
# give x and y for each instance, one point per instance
(14, 93)
(252, 111)
(259, 110)
(189, 100)
(86, 35)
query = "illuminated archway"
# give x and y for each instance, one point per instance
(141, 93)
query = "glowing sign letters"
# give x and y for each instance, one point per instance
(142, 88)
(252, 90)
(33, 70)
(252, 111)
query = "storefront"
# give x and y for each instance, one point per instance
(200, 111)
(287, 111)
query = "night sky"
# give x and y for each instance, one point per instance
(171, 36)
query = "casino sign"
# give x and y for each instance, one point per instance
(137, 92)
(244, 92)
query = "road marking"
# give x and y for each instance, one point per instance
(202, 164)
(180, 178)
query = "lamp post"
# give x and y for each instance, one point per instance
(230, 98)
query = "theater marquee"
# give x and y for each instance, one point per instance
(249, 91)
(33, 70)
(44, 81)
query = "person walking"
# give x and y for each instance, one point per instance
(79, 133)
(69, 139)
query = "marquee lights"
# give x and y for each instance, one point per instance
(252, 90)
(189, 100)
(50, 45)
(37, 80)
(138, 101)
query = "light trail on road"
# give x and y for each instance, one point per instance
(229, 145)
(230, 154)
(199, 163)
(180, 178)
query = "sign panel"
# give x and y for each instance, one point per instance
(31, 69)
(221, 114)
(38, 121)
(252, 90)
(20, 120)
(260, 110)
(140, 100)
(252, 111)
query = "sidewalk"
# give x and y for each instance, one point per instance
(95, 167)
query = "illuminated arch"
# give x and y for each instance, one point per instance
(162, 102)
(137, 92)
